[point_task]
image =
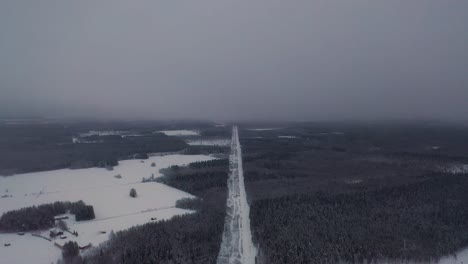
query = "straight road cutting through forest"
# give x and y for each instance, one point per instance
(237, 246)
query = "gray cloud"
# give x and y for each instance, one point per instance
(261, 59)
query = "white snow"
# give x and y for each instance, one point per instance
(180, 132)
(287, 137)
(264, 129)
(460, 258)
(237, 246)
(208, 142)
(219, 124)
(103, 133)
(355, 181)
(42, 251)
(27, 249)
(455, 168)
(26, 121)
(76, 140)
(132, 135)
(114, 208)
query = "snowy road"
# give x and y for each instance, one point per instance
(237, 246)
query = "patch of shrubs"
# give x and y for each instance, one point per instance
(133, 193)
(82, 211)
(140, 156)
(189, 203)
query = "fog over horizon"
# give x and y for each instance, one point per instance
(226, 60)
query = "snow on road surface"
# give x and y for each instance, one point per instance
(237, 246)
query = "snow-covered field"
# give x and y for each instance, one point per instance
(460, 258)
(237, 246)
(264, 129)
(208, 142)
(103, 133)
(108, 194)
(455, 168)
(219, 124)
(180, 132)
(82, 138)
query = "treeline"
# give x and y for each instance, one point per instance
(107, 153)
(190, 203)
(209, 163)
(421, 221)
(43, 216)
(196, 181)
(189, 239)
(206, 150)
(47, 147)
(223, 132)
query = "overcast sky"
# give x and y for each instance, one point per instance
(242, 59)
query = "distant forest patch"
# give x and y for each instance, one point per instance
(42, 216)
(30, 148)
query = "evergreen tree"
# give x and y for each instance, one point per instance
(70, 250)
(133, 193)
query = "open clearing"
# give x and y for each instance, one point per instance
(264, 129)
(180, 132)
(107, 192)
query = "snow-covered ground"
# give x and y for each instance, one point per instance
(76, 140)
(460, 258)
(208, 142)
(264, 129)
(108, 194)
(219, 124)
(41, 251)
(180, 132)
(237, 246)
(103, 133)
(82, 138)
(455, 168)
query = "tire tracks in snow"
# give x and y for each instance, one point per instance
(237, 246)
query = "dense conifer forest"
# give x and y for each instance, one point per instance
(420, 221)
(357, 193)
